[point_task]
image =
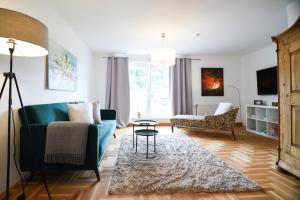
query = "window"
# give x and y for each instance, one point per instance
(149, 90)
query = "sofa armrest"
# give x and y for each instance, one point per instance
(92, 146)
(107, 114)
(32, 146)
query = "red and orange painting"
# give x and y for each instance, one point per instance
(212, 81)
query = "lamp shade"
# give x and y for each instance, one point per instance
(163, 57)
(29, 34)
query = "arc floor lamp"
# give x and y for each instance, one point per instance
(20, 35)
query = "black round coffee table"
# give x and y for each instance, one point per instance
(142, 122)
(146, 133)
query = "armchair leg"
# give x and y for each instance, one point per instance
(115, 135)
(97, 174)
(233, 134)
(172, 127)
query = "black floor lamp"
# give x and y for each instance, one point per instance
(20, 35)
(239, 98)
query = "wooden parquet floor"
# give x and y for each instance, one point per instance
(252, 155)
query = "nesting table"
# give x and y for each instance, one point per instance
(148, 132)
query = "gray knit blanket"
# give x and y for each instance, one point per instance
(66, 143)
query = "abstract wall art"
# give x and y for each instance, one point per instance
(62, 68)
(212, 82)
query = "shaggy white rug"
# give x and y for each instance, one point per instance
(182, 165)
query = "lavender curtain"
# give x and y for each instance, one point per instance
(117, 89)
(181, 87)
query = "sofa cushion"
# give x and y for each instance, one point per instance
(223, 108)
(96, 112)
(45, 113)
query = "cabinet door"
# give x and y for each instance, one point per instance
(289, 94)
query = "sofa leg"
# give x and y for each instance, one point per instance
(233, 134)
(97, 174)
(115, 135)
(46, 185)
(172, 127)
(31, 175)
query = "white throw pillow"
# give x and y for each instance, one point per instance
(81, 112)
(223, 108)
(96, 112)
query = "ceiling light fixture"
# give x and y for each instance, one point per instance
(163, 56)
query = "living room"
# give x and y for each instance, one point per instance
(220, 49)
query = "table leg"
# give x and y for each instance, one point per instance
(133, 136)
(155, 143)
(147, 147)
(136, 138)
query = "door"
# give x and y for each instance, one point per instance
(288, 45)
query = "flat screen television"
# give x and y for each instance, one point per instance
(267, 81)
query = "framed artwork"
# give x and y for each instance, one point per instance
(212, 82)
(62, 68)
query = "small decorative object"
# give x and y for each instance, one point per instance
(139, 114)
(258, 102)
(212, 81)
(274, 103)
(273, 132)
(62, 68)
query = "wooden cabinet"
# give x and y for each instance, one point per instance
(288, 57)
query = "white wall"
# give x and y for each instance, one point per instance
(252, 62)
(231, 65)
(31, 72)
(260, 59)
(293, 12)
(99, 85)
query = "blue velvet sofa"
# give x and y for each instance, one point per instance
(33, 140)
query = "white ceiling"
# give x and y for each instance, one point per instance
(134, 26)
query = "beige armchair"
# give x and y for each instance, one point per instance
(224, 122)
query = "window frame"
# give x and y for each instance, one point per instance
(149, 92)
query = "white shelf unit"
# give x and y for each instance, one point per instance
(262, 120)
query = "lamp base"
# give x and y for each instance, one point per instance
(21, 197)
